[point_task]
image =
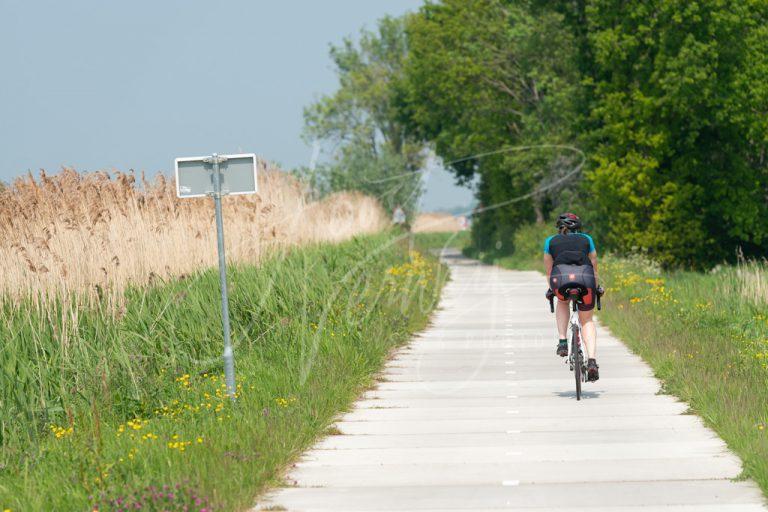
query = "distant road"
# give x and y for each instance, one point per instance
(479, 414)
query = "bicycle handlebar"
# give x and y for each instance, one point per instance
(551, 297)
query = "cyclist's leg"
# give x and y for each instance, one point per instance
(562, 315)
(587, 305)
(588, 333)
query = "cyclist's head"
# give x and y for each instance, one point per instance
(568, 222)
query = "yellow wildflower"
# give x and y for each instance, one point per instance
(61, 432)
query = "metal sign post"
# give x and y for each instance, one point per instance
(229, 357)
(204, 176)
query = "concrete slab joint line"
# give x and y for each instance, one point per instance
(454, 428)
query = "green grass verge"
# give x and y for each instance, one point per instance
(522, 253)
(120, 403)
(435, 241)
(707, 343)
(704, 335)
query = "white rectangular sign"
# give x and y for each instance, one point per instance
(194, 175)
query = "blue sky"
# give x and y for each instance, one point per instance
(102, 85)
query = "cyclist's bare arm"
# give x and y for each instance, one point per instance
(548, 262)
(593, 260)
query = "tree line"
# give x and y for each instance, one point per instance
(650, 119)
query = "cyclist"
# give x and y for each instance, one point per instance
(570, 258)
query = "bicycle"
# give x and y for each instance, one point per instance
(575, 359)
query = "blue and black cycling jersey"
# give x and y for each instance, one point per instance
(572, 267)
(570, 248)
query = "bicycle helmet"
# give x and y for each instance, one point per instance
(570, 221)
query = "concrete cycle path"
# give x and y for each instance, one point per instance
(477, 413)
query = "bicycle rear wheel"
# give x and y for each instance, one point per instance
(578, 362)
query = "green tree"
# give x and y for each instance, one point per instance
(361, 121)
(484, 75)
(681, 90)
(667, 97)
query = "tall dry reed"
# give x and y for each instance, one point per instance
(745, 282)
(91, 232)
(437, 223)
(752, 278)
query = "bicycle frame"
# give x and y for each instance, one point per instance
(575, 360)
(575, 325)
